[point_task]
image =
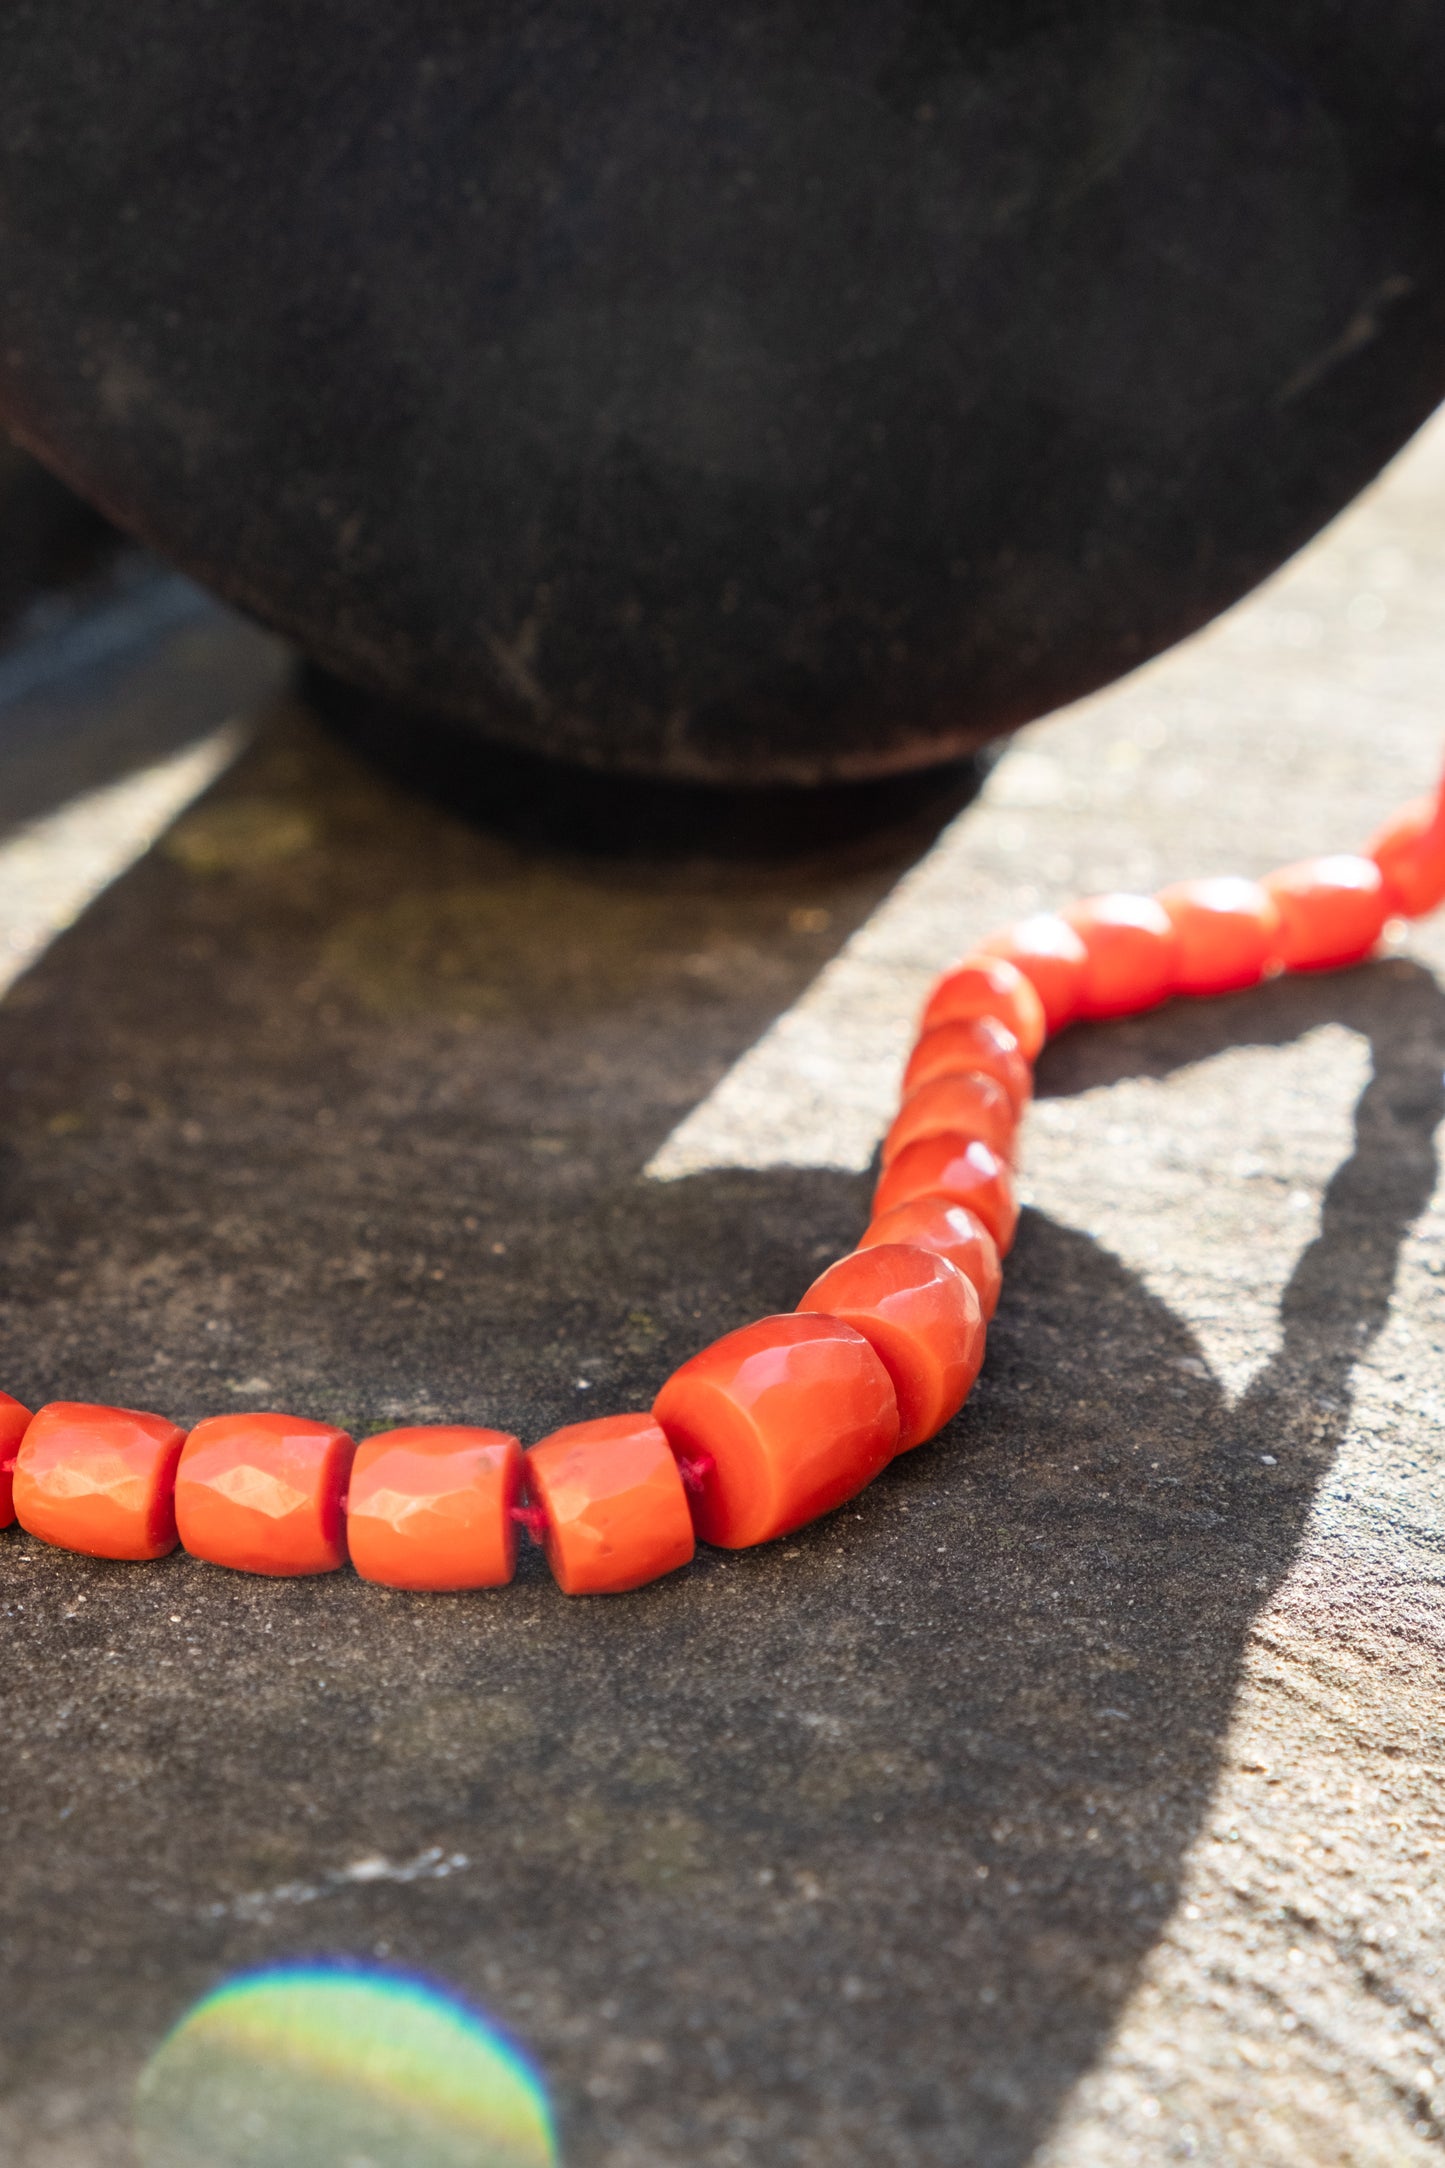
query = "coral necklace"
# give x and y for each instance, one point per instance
(785, 1419)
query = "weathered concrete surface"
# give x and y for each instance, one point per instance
(1072, 1799)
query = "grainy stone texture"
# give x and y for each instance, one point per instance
(1073, 1799)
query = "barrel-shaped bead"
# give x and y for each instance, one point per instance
(970, 1104)
(1226, 929)
(978, 1043)
(950, 1230)
(784, 1420)
(1130, 953)
(922, 1319)
(989, 986)
(1050, 954)
(954, 1166)
(99, 1480)
(1332, 911)
(615, 1509)
(263, 1493)
(15, 1420)
(431, 1507)
(1409, 849)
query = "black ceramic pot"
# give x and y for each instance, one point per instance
(779, 389)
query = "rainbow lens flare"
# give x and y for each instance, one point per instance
(324, 2066)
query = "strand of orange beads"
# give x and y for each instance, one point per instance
(788, 1417)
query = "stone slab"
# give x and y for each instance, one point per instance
(1073, 1798)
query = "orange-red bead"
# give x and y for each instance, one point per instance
(971, 1104)
(978, 1044)
(785, 1419)
(989, 986)
(1130, 953)
(953, 1166)
(263, 1493)
(431, 1507)
(1332, 911)
(1226, 929)
(1409, 850)
(1050, 954)
(950, 1230)
(14, 1421)
(616, 1513)
(99, 1480)
(922, 1319)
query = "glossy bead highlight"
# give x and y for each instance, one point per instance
(1050, 954)
(950, 1230)
(1226, 930)
(1332, 911)
(989, 986)
(430, 1507)
(971, 1105)
(979, 1044)
(922, 1319)
(1131, 954)
(788, 1417)
(617, 1514)
(953, 1166)
(262, 1493)
(99, 1480)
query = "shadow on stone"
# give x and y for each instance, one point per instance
(562, 805)
(843, 1852)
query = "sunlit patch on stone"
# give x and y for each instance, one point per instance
(326, 2066)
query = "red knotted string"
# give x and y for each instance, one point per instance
(695, 1468)
(533, 1519)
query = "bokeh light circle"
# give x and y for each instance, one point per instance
(327, 2066)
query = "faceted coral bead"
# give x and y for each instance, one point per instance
(786, 1419)
(263, 1493)
(922, 1319)
(431, 1507)
(1332, 911)
(978, 1044)
(1049, 952)
(950, 1230)
(989, 986)
(616, 1513)
(953, 1166)
(1226, 929)
(972, 1105)
(1410, 852)
(99, 1480)
(14, 1421)
(1130, 950)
